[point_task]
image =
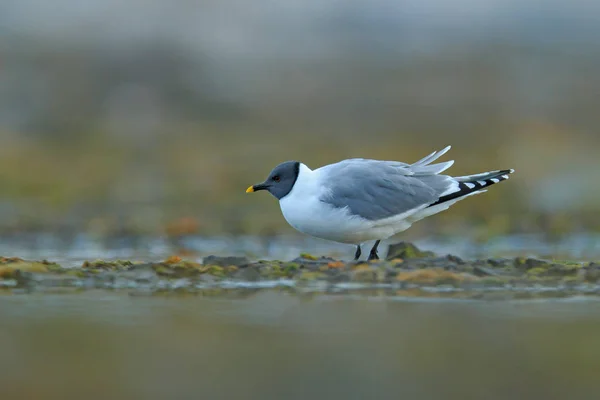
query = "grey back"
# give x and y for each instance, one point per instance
(374, 189)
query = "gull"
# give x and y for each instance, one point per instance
(358, 200)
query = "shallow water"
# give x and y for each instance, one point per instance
(272, 345)
(280, 342)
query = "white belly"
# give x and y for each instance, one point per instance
(320, 220)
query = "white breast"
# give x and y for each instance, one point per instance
(303, 210)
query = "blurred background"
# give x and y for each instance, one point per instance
(124, 119)
(151, 117)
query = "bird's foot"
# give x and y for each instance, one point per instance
(373, 253)
(358, 253)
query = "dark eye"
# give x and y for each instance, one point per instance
(276, 178)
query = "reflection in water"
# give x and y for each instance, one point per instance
(275, 345)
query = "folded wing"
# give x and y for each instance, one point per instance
(376, 190)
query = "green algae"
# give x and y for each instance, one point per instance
(416, 269)
(308, 256)
(102, 265)
(216, 270)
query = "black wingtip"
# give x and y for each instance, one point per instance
(467, 187)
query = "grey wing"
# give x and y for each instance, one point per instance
(376, 190)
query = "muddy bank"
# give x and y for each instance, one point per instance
(405, 271)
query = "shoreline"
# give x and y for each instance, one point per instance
(406, 272)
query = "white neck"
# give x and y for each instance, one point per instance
(305, 183)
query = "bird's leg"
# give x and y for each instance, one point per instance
(358, 252)
(373, 253)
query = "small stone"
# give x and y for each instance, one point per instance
(498, 262)
(226, 261)
(455, 259)
(312, 264)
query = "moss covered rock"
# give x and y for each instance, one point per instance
(405, 250)
(10, 265)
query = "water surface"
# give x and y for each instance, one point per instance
(270, 344)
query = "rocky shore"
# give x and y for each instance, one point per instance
(405, 271)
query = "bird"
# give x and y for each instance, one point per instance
(360, 200)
